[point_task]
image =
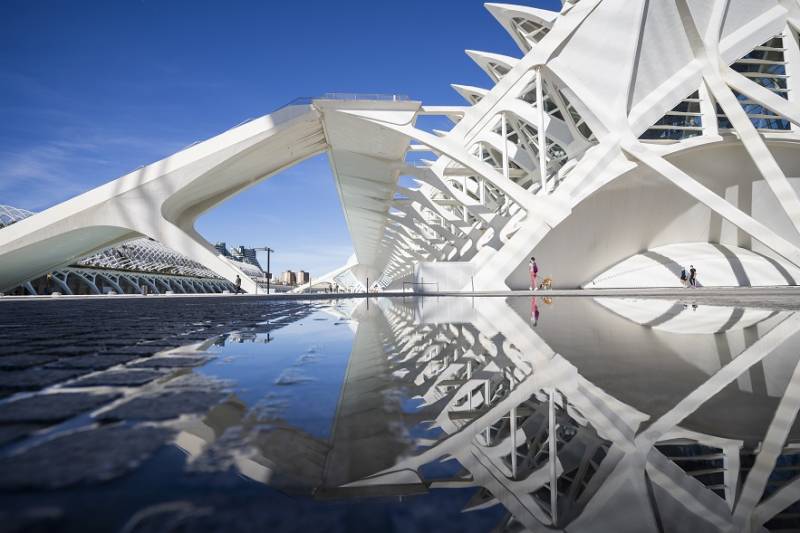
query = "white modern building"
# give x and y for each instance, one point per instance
(131, 267)
(628, 139)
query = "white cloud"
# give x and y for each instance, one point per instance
(42, 175)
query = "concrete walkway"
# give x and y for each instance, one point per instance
(720, 295)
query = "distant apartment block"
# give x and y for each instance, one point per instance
(289, 278)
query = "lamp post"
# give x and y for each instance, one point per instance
(269, 251)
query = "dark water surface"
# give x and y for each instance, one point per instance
(402, 414)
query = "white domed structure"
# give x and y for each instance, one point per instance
(127, 267)
(9, 215)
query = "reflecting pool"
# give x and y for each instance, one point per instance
(409, 414)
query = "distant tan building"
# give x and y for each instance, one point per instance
(302, 277)
(289, 278)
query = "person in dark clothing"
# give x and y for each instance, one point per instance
(692, 276)
(238, 284)
(684, 276)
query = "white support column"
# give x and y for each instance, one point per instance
(758, 150)
(469, 377)
(792, 56)
(504, 134)
(692, 187)
(553, 455)
(730, 463)
(540, 127)
(708, 110)
(771, 449)
(513, 428)
(486, 404)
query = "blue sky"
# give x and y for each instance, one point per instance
(90, 90)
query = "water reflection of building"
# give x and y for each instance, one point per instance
(503, 390)
(240, 337)
(663, 465)
(567, 426)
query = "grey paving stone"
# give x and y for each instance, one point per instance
(194, 381)
(167, 361)
(36, 378)
(195, 337)
(136, 349)
(19, 361)
(108, 341)
(32, 520)
(165, 405)
(52, 407)
(62, 349)
(94, 362)
(86, 456)
(160, 344)
(13, 432)
(9, 347)
(120, 378)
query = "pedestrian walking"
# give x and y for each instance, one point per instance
(534, 272)
(49, 284)
(692, 276)
(238, 284)
(684, 276)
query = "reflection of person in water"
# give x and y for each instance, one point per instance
(534, 312)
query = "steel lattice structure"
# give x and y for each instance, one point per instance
(10, 215)
(145, 255)
(131, 266)
(624, 156)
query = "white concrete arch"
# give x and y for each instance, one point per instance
(163, 200)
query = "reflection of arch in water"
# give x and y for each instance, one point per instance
(479, 398)
(680, 318)
(485, 400)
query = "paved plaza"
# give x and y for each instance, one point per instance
(83, 381)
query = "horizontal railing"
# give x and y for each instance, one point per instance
(307, 100)
(363, 96)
